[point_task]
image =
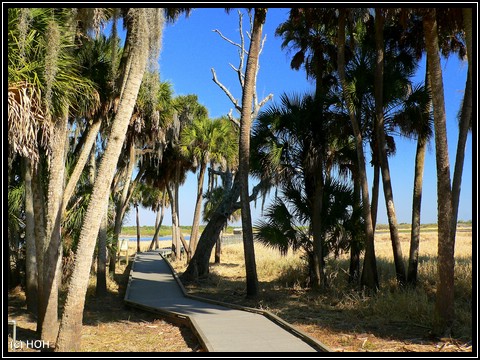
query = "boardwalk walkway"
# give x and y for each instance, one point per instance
(154, 286)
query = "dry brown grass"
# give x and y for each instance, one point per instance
(342, 317)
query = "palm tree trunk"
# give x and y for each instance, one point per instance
(122, 203)
(422, 142)
(369, 276)
(175, 228)
(318, 280)
(465, 123)
(52, 248)
(101, 289)
(39, 217)
(80, 164)
(444, 304)
(158, 225)
(244, 149)
(375, 192)
(354, 269)
(416, 211)
(31, 274)
(198, 209)
(380, 130)
(71, 324)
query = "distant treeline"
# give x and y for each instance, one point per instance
(164, 230)
(167, 230)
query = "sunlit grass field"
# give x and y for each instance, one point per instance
(283, 287)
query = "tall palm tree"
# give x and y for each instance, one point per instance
(145, 140)
(414, 119)
(41, 58)
(306, 32)
(444, 305)
(369, 276)
(97, 58)
(144, 28)
(205, 140)
(155, 199)
(293, 143)
(380, 135)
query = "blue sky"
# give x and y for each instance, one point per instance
(190, 49)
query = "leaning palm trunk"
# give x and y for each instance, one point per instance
(387, 185)
(81, 162)
(71, 324)
(444, 304)
(199, 264)
(369, 275)
(122, 204)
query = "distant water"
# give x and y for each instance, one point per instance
(149, 238)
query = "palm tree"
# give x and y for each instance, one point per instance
(444, 305)
(155, 199)
(293, 143)
(97, 58)
(289, 218)
(143, 33)
(187, 110)
(414, 119)
(41, 62)
(380, 136)
(465, 122)
(249, 107)
(145, 140)
(369, 276)
(306, 32)
(204, 140)
(31, 274)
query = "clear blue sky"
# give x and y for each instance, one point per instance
(190, 49)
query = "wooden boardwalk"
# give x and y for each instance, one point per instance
(220, 327)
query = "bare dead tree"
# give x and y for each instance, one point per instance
(242, 51)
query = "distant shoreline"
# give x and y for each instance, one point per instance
(145, 231)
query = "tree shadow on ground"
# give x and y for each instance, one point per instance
(331, 310)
